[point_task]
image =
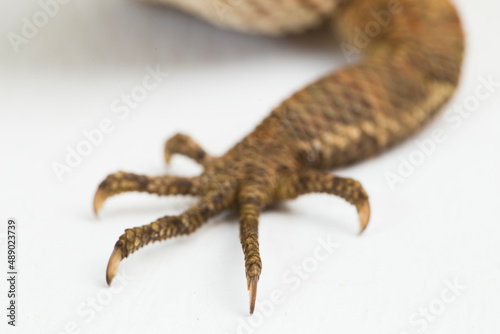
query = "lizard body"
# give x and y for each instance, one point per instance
(410, 69)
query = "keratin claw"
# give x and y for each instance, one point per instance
(252, 287)
(113, 264)
(364, 214)
(99, 199)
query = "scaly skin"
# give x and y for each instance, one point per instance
(411, 68)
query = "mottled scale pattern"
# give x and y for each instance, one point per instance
(267, 17)
(410, 69)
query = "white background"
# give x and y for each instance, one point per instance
(442, 224)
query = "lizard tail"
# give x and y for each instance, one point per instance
(410, 54)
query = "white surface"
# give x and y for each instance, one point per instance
(441, 224)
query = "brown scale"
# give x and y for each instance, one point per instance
(410, 69)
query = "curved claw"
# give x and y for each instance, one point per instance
(252, 287)
(113, 264)
(168, 156)
(364, 214)
(99, 199)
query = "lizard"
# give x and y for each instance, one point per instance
(411, 64)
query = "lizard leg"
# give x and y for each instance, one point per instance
(165, 228)
(185, 145)
(160, 185)
(250, 208)
(315, 181)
